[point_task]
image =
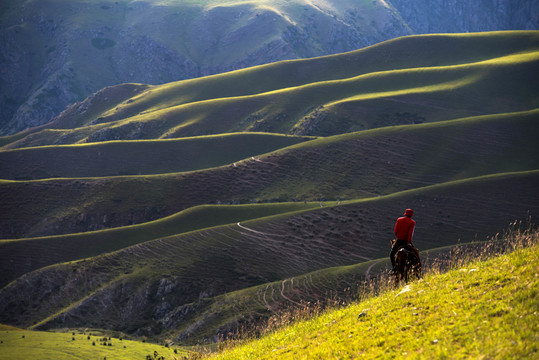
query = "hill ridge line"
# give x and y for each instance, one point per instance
(310, 142)
(532, 55)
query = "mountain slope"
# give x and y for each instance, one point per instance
(57, 52)
(65, 51)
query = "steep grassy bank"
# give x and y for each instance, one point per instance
(482, 309)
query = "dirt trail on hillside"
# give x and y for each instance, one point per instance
(255, 231)
(367, 272)
(291, 289)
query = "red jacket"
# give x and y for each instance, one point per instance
(404, 228)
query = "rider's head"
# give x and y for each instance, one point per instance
(409, 212)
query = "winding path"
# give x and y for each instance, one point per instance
(367, 272)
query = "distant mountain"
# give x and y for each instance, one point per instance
(54, 53)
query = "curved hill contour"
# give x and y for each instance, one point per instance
(408, 80)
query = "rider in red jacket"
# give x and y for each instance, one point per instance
(404, 231)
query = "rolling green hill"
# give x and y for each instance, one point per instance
(350, 166)
(21, 256)
(148, 157)
(408, 80)
(116, 216)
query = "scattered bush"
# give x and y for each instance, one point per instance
(155, 356)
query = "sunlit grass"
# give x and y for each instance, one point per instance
(484, 306)
(25, 344)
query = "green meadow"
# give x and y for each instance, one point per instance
(24, 344)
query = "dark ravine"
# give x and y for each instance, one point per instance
(49, 61)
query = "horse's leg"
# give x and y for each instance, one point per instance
(406, 273)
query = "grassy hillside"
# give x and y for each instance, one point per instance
(408, 80)
(350, 166)
(24, 344)
(21, 256)
(174, 278)
(483, 309)
(138, 157)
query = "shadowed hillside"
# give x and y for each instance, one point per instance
(116, 158)
(25, 255)
(168, 279)
(350, 166)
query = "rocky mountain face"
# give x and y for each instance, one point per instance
(428, 16)
(53, 54)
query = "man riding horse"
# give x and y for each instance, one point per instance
(404, 231)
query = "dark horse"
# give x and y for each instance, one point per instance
(407, 263)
